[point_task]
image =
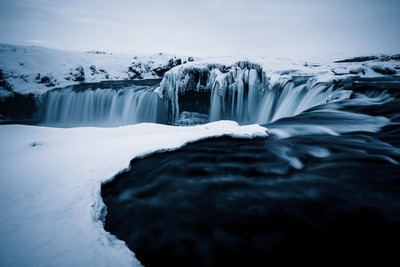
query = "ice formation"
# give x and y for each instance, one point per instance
(244, 91)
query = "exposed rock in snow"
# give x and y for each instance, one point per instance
(384, 70)
(357, 70)
(222, 88)
(95, 71)
(143, 68)
(4, 85)
(191, 118)
(395, 57)
(37, 69)
(338, 96)
(77, 74)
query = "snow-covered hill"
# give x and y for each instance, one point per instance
(215, 87)
(28, 69)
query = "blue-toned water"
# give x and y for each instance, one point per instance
(112, 103)
(324, 185)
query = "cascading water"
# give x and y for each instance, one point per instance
(103, 107)
(244, 93)
(253, 105)
(292, 100)
(326, 182)
(190, 95)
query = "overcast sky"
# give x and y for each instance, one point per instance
(300, 29)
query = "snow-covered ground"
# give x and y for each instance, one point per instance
(50, 179)
(30, 69)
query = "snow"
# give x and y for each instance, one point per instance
(240, 86)
(50, 178)
(30, 69)
(280, 70)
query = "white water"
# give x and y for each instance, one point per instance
(245, 93)
(291, 100)
(103, 107)
(247, 103)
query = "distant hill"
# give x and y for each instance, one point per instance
(395, 57)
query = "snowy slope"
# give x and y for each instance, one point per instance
(37, 69)
(29, 69)
(278, 70)
(50, 178)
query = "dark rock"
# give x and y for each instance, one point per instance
(3, 83)
(160, 71)
(178, 62)
(134, 73)
(191, 118)
(357, 71)
(103, 71)
(395, 57)
(50, 84)
(96, 52)
(18, 106)
(93, 69)
(45, 79)
(78, 74)
(357, 59)
(384, 70)
(173, 63)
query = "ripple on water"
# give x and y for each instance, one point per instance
(229, 202)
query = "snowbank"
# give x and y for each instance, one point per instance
(31, 69)
(36, 69)
(50, 180)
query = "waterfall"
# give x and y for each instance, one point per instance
(243, 92)
(292, 100)
(255, 106)
(191, 94)
(103, 107)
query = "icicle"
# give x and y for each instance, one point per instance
(244, 91)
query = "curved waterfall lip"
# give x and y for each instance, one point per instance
(104, 104)
(245, 92)
(188, 98)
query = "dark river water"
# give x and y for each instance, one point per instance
(324, 185)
